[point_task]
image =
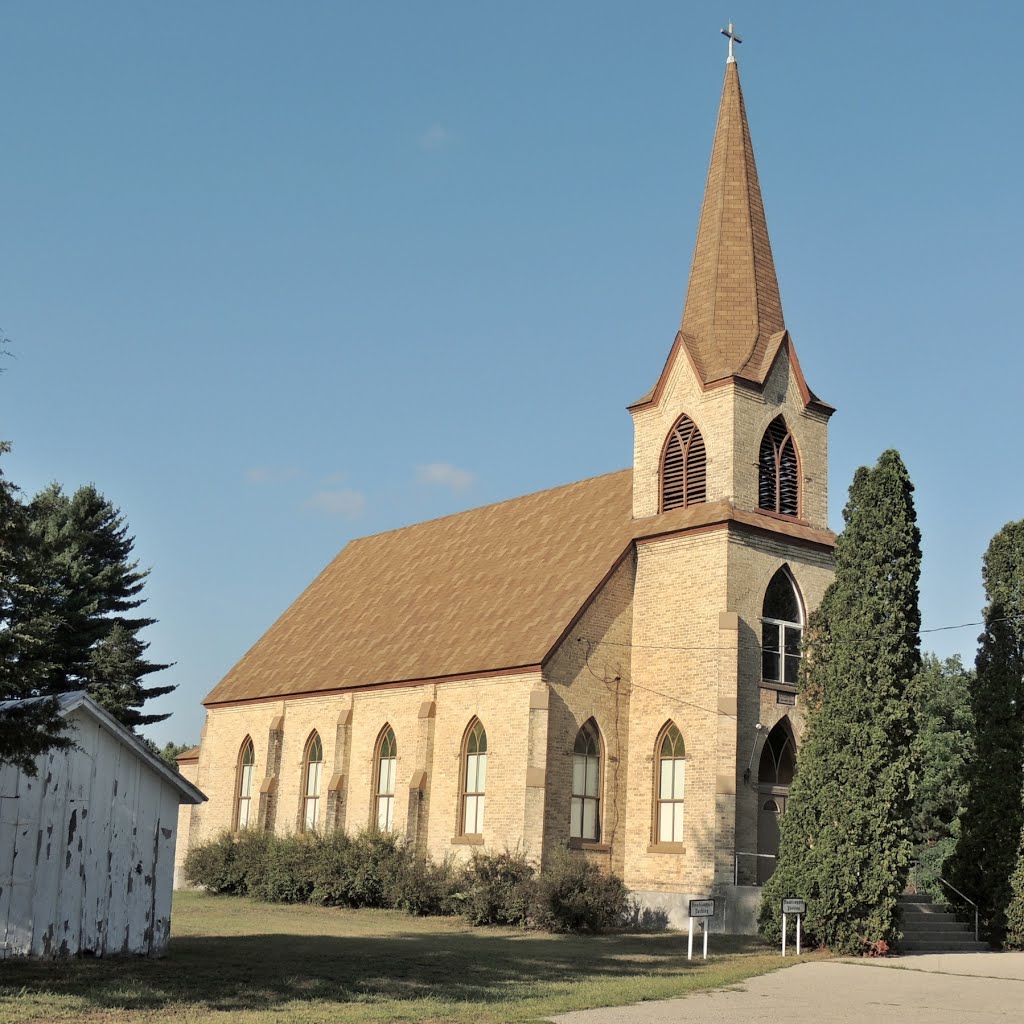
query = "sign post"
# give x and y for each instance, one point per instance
(792, 905)
(701, 909)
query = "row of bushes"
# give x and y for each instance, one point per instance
(381, 869)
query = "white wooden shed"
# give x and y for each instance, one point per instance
(87, 846)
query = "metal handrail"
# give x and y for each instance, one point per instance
(736, 862)
(963, 897)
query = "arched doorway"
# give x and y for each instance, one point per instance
(774, 776)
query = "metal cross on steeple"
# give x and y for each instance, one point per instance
(733, 38)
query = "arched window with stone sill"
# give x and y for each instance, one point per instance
(244, 776)
(683, 466)
(782, 623)
(385, 765)
(312, 774)
(669, 786)
(585, 803)
(778, 482)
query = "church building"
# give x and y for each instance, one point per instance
(610, 664)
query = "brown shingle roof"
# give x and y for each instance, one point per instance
(486, 589)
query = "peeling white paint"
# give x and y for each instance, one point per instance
(87, 846)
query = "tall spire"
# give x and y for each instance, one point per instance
(732, 303)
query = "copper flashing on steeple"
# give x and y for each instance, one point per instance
(732, 327)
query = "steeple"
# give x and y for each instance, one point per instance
(732, 303)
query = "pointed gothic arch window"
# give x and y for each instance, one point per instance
(781, 630)
(585, 805)
(474, 779)
(683, 466)
(778, 760)
(670, 783)
(385, 764)
(312, 773)
(778, 484)
(244, 774)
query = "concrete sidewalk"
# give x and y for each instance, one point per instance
(945, 988)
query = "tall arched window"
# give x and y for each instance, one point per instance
(312, 773)
(384, 797)
(585, 806)
(243, 784)
(474, 778)
(781, 630)
(683, 466)
(778, 487)
(670, 781)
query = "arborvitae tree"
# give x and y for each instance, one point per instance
(1015, 909)
(941, 696)
(29, 728)
(845, 844)
(986, 854)
(91, 585)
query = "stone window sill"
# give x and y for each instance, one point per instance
(589, 844)
(768, 684)
(666, 848)
(468, 840)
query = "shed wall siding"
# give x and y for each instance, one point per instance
(86, 851)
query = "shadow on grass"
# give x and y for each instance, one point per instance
(250, 972)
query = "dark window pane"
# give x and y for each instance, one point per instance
(792, 666)
(770, 666)
(780, 599)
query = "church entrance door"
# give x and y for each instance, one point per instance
(775, 774)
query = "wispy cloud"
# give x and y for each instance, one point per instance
(434, 138)
(348, 503)
(271, 474)
(445, 474)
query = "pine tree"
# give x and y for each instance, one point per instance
(845, 844)
(28, 729)
(987, 852)
(90, 585)
(1015, 909)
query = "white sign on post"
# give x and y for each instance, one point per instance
(700, 909)
(792, 905)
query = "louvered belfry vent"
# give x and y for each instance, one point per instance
(778, 471)
(684, 467)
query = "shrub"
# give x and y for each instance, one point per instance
(573, 895)
(215, 867)
(365, 870)
(382, 869)
(500, 888)
(281, 870)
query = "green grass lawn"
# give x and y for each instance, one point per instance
(235, 960)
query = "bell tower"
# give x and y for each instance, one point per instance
(729, 494)
(732, 369)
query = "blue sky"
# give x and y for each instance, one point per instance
(264, 263)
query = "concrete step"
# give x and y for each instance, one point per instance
(937, 934)
(962, 946)
(933, 928)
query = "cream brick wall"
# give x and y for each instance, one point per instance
(732, 420)
(753, 559)
(680, 590)
(712, 411)
(590, 677)
(429, 721)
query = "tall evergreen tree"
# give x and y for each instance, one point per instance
(845, 843)
(987, 851)
(90, 585)
(30, 728)
(941, 695)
